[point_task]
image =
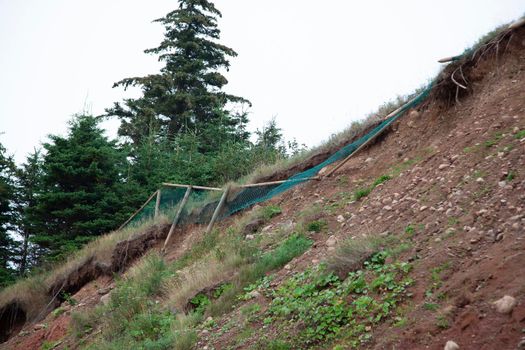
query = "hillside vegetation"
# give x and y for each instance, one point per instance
(415, 243)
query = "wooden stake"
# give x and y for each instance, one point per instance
(447, 59)
(194, 187)
(176, 219)
(517, 24)
(370, 139)
(137, 211)
(157, 203)
(218, 209)
(280, 182)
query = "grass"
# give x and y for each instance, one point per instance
(363, 192)
(31, 292)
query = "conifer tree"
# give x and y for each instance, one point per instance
(7, 218)
(186, 96)
(83, 194)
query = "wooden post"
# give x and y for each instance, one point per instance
(280, 182)
(218, 209)
(370, 139)
(194, 187)
(157, 203)
(137, 211)
(176, 219)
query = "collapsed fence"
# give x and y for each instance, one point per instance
(186, 204)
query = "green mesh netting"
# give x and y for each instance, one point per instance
(202, 203)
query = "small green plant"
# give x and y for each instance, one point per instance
(270, 211)
(58, 311)
(410, 230)
(316, 226)
(430, 306)
(520, 134)
(510, 176)
(381, 179)
(361, 192)
(200, 302)
(442, 322)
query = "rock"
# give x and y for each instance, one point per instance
(254, 294)
(480, 180)
(505, 304)
(286, 225)
(423, 208)
(103, 291)
(250, 237)
(267, 228)
(521, 344)
(331, 241)
(450, 231)
(387, 208)
(502, 183)
(411, 124)
(330, 249)
(369, 159)
(288, 267)
(105, 299)
(39, 326)
(414, 114)
(315, 261)
(451, 345)
(443, 166)
(340, 218)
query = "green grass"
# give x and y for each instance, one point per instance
(520, 134)
(363, 192)
(316, 226)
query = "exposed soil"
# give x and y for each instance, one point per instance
(458, 179)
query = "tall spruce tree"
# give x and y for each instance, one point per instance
(186, 96)
(83, 194)
(28, 190)
(8, 247)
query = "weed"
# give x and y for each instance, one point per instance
(510, 176)
(271, 211)
(410, 230)
(324, 304)
(361, 192)
(316, 226)
(381, 179)
(520, 134)
(442, 322)
(430, 306)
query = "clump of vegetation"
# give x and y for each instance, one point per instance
(325, 305)
(270, 211)
(363, 192)
(316, 226)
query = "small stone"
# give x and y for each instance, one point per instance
(315, 261)
(505, 304)
(521, 344)
(39, 326)
(340, 218)
(105, 299)
(423, 208)
(287, 267)
(250, 237)
(254, 294)
(331, 241)
(480, 180)
(387, 208)
(502, 183)
(437, 240)
(450, 231)
(330, 249)
(443, 166)
(103, 291)
(451, 345)
(369, 159)
(266, 228)
(474, 240)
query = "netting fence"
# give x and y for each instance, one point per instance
(202, 202)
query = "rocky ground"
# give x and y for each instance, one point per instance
(454, 196)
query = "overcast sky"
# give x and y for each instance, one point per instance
(315, 65)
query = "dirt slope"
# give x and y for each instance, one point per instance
(457, 181)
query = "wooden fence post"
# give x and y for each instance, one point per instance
(137, 211)
(157, 203)
(177, 217)
(218, 209)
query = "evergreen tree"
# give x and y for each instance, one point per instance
(187, 94)
(7, 218)
(83, 189)
(29, 188)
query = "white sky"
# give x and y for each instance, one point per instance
(316, 65)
